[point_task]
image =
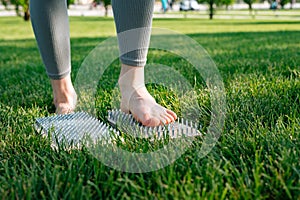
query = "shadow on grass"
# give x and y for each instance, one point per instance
(214, 22)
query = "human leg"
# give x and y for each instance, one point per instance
(133, 20)
(51, 28)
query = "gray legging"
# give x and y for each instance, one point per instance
(51, 28)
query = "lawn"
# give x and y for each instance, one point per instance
(256, 156)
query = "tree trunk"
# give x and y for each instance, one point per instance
(106, 11)
(292, 3)
(26, 15)
(211, 9)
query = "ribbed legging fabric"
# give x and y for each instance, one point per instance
(133, 19)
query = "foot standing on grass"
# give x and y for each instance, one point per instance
(51, 27)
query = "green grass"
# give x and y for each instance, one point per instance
(256, 157)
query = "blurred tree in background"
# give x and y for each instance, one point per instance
(24, 4)
(5, 3)
(106, 3)
(211, 4)
(283, 3)
(249, 2)
(226, 3)
(69, 2)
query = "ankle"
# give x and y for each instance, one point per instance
(59, 85)
(131, 77)
(63, 90)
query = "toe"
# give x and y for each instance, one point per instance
(170, 112)
(164, 119)
(169, 118)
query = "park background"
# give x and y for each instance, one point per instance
(228, 9)
(256, 157)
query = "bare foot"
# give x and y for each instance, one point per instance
(64, 95)
(137, 100)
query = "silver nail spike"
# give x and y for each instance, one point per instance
(187, 127)
(71, 129)
(150, 131)
(159, 128)
(176, 129)
(123, 117)
(173, 132)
